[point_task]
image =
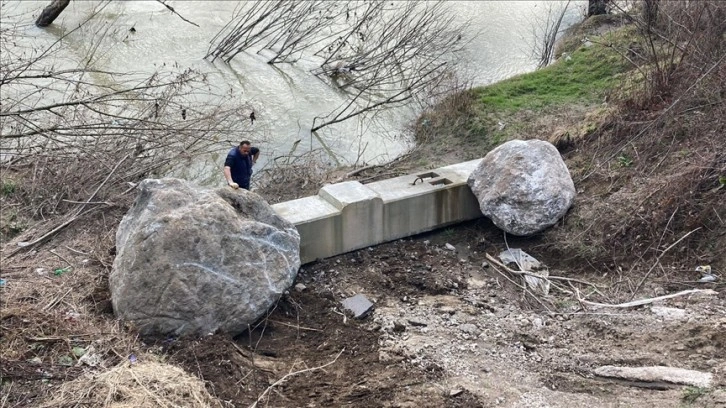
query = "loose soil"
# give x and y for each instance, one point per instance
(447, 331)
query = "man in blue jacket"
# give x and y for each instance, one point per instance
(238, 165)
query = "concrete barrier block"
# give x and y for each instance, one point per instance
(347, 216)
(361, 213)
(318, 223)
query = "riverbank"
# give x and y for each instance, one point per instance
(450, 327)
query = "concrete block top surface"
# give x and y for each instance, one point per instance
(423, 182)
(305, 209)
(342, 194)
(463, 169)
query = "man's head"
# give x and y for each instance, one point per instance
(244, 147)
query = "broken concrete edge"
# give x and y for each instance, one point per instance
(358, 305)
(657, 374)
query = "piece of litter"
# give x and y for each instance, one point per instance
(300, 287)
(132, 358)
(528, 263)
(23, 244)
(78, 351)
(708, 278)
(704, 269)
(61, 271)
(359, 305)
(525, 261)
(450, 247)
(2, 282)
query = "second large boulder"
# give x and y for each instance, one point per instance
(193, 261)
(524, 187)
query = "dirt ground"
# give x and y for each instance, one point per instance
(447, 331)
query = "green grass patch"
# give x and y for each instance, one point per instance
(8, 188)
(584, 76)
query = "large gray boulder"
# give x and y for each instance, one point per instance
(193, 261)
(523, 186)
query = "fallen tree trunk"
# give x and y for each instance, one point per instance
(51, 12)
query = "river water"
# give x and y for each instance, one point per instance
(285, 97)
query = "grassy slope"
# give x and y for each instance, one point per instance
(581, 77)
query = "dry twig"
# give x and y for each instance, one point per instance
(288, 375)
(642, 302)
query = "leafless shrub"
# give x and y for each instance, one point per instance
(75, 136)
(546, 32)
(658, 166)
(676, 38)
(380, 54)
(294, 175)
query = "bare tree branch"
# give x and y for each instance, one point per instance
(174, 11)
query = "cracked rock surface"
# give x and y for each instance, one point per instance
(198, 261)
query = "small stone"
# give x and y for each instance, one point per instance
(359, 305)
(450, 247)
(300, 287)
(469, 328)
(455, 392)
(668, 313)
(399, 327)
(416, 323)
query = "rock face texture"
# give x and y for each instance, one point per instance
(193, 261)
(523, 186)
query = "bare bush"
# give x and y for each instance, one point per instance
(76, 136)
(546, 32)
(676, 38)
(294, 175)
(380, 54)
(658, 166)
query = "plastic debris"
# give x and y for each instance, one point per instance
(2, 282)
(528, 263)
(132, 358)
(78, 351)
(61, 271)
(704, 269)
(450, 247)
(707, 276)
